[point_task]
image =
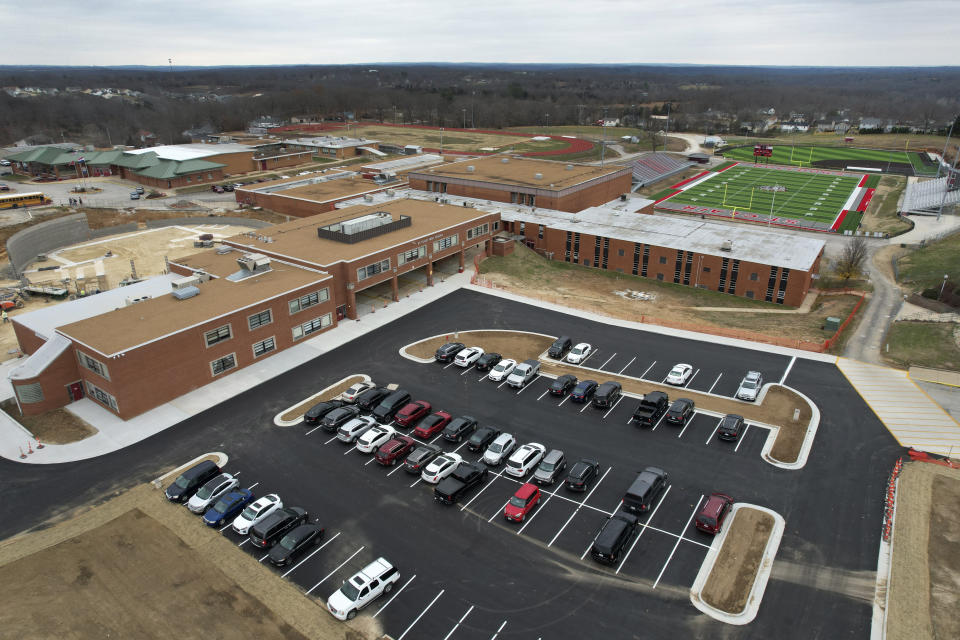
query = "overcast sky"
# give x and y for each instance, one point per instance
(244, 32)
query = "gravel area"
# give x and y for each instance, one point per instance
(729, 584)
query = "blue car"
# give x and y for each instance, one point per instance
(227, 507)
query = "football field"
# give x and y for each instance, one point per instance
(807, 156)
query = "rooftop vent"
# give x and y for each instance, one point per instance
(471, 168)
(504, 160)
(183, 283)
(569, 167)
(726, 245)
(185, 293)
(368, 198)
(224, 249)
(256, 262)
(538, 176)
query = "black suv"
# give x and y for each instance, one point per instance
(448, 352)
(371, 398)
(607, 395)
(648, 484)
(488, 361)
(335, 419)
(613, 538)
(680, 411)
(481, 438)
(388, 407)
(190, 480)
(560, 347)
(582, 474)
(562, 385)
(315, 414)
(730, 427)
(458, 428)
(266, 532)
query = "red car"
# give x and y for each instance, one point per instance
(711, 517)
(395, 450)
(411, 413)
(432, 424)
(522, 502)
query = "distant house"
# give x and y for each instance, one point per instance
(713, 141)
(872, 124)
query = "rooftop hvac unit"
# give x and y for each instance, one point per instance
(203, 276)
(363, 223)
(727, 245)
(468, 205)
(185, 293)
(538, 176)
(254, 262)
(182, 283)
(504, 160)
(224, 249)
(390, 192)
(471, 168)
(130, 301)
(368, 198)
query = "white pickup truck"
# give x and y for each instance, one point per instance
(363, 588)
(523, 373)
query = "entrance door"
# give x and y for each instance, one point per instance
(341, 312)
(75, 390)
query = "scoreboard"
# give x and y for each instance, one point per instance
(762, 150)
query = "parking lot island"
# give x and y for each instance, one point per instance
(294, 415)
(519, 345)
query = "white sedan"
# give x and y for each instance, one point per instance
(680, 374)
(211, 491)
(440, 467)
(256, 512)
(350, 395)
(579, 353)
(502, 370)
(371, 440)
(468, 356)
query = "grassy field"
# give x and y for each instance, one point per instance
(881, 215)
(923, 268)
(810, 155)
(451, 140)
(922, 344)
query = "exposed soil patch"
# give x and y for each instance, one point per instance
(510, 344)
(735, 570)
(782, 402)
(329, 393)
(164, 481)
(53, 427)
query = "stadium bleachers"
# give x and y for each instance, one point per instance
(654, 167)
(926, 196)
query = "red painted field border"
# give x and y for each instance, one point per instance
(656, 202)
(683, 182)
(839, 220)
(865, 201)
(727, 167)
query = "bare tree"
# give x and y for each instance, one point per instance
(850, 262)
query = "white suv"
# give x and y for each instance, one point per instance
(468, 356)
(363, 588)
(499, 449)
(377, 435)
(256, 512)
(525, 459)
(750, 386)
(502, 370)
(355, 428)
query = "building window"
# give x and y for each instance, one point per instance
(29, 393)
(412, 255)
(753, 276)
(706, 269)
(304, 302)
(373, 269)
(620, 252)
(312, 326)
(94, 365)
(264, 346)
(496, 225)
(209, 176)
(101, 396)
(660, 277)
(445, 243)
(188, 179)
(225, 363)
(482, 229)
(219, 334)
(261, 319)
(750, 294)
(540, 232)
(663, 260)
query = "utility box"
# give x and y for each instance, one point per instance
(832, 324)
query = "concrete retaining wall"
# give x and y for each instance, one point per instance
(170, 222)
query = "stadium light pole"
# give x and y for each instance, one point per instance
(943, 157)
(945, 276)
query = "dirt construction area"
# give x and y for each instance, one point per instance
(728, 587)
(140, 567)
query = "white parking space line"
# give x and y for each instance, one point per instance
(499, 511)
(610, 513)
(330, 440)
(687, 385)
(353, 448)
(466, 370)
(644, 525)
(477, 494)
(687, 424)
(715, 383)
(742, 436)
(494, 636)
(579, 506)
(335, 570)
(264, 557)
(677, 543)
(644, 374)
(627, 365)
(225, 527)
(787, 372)
(398, 466)
(612, 408)
(714, 432)
(437, 437)
(585, 405)
(608, 360)
(416, 482)
(565, 398)
(659, 421)
(449, 365)
(417, 619)
(543, 394)
(590, 355)
(459, 622)
(484, 377)
(311, 555)
(529, 384)
(372, 458)
(539, 508)
(502, 383)
(244, 542)
(312, 430)
(395, 595)
(252, 486)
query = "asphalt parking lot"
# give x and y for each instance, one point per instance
(465, 571)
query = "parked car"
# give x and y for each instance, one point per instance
(355, 428)
(187, 483)
(488, 361)
(652, 406)
(134, 195)
(4, 187)
(499, 449)
(412, 412)
(228, 187)
(523, 373)
(458, 428)
(482, 437)
(420, 457)
(550, 467)
(466, 476)
(679, 375)
(579, 353)
(680, 411)
(340, 416)
(227, 507)
(607, 395)
(375, 436)
(211, 491)
(750, 386)
(140, 190)
(432, 424)
(265, 533)
(315, 414)
(582, 474)
(216, 188)
(448, 352)
(440, 467)
(256, 512)
(646, 487)
(388, 407)
(351, 394)
(502, 370)
(295, 543)
(714, 512)
(524, 459)
(466, 357)
(560, 347)
(362, 588)
(730, 428)
(394, 450)
(614, 536)
(584, 391)
(562, 385)
(370, 398)
(522, 503)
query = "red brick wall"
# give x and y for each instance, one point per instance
(28, 340)
(54, 381)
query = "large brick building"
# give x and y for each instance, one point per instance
(535, 183)
(305, 196)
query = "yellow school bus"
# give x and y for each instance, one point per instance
(16, 200)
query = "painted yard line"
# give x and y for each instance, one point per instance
(529, 384)
(543, 394)
(677, 543)
(477, 494)
(687, 385)
(499, 511)
(742, 436)
(395, 595)
(627, 365)
(312, 430)
(417, 619)
(787, 372)
(340, 566)
(530, 519)
(714, 432)
(311, 555)
(715, 383)
(459, 622)
(663, 499)
(494, 636)
(252, 486)
(644, 374)
(579, 506)
(330, 440)
(608, 360)
(659, 421)
(613, 407)
(587, 550)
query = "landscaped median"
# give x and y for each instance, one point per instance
(519, 345)
(294, 414)
(734, 574)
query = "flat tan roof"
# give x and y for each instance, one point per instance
(129, 327)
(335, 189)
(521, 172)
(298, 239)
(276, 186)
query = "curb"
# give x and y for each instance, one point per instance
(403, 350)
(881, 596)
(222, 459)
(289, 423)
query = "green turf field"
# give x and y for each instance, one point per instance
(808, 197)
(803, 156)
